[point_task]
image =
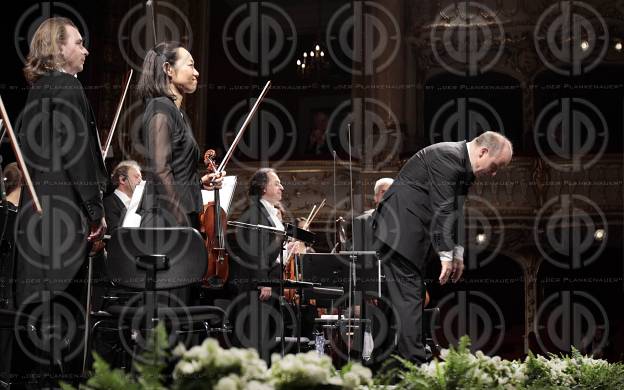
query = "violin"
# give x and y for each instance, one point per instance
(213, 222)
(214, 219)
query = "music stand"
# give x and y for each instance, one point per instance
(329, 271)
(355, 272)
(289, 231)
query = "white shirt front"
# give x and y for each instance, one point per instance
(123, 197)
(276, 222)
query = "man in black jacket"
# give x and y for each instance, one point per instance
(259, 250)
(363, 238)
(255, 314)
(125, 177)
(61, 149)
(421, 211)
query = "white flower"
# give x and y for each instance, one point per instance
(255, 385)
(197, 352)
(188, 368)
(179, 350)
(230, 382)
(444, 353)
(429, 369)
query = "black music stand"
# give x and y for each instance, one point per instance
(289, 231)
(328, 271)
(356, 273)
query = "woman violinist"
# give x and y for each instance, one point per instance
(173, 186)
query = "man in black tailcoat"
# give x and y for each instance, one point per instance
(61, 148)
(422, 211)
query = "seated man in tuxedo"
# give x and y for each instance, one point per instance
(363, 237)
(125, 177)
(256, 260)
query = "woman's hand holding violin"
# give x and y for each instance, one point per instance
(213, 181)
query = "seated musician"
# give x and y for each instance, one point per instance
(125, 177)
(259, 250)
(13, 183)
(13, 187)
(256, 260)
(363, 238)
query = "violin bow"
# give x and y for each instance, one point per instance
(109, 138)
(150, 10)
(20, 158)
(316, 212)
(243, 127)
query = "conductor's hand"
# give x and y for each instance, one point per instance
(265, 293)
(451, 269)
(213, 181)
(97, 230)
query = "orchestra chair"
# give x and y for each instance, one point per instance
(155, 263)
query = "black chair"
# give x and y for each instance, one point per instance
(156, 264)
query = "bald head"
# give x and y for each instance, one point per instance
(381, 186)
(489, 152)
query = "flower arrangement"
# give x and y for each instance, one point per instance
(208, 366)
(461, 369)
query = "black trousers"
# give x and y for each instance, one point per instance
(404, 288)
(54, 352)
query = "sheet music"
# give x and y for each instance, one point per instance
(226, 193)
(132, 219)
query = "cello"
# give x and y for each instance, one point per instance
(291, 270)
(213, 220)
